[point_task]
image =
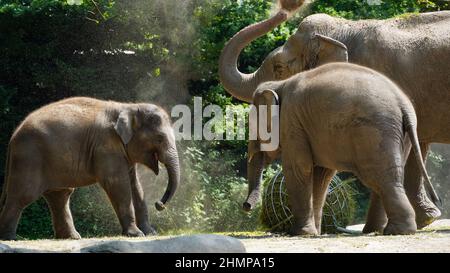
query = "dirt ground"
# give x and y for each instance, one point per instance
(435, 238)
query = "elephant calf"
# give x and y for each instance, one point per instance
(80, 141)
(346, 117)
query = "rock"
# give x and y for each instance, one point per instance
(28, 250)
(8, 249)
(201, 243)
(4, 248)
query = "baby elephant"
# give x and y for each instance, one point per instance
(80, 141)
(339, 116)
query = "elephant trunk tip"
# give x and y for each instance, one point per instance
(160, 206)
(247, 206)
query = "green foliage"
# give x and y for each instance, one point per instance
(438, 167)
(93, 213)
(376, 9)
(35, 222)
(212, 194)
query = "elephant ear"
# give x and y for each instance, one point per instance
(327, 50)
(254, 147)
(268, 119)
(124, 126)
(267, 98)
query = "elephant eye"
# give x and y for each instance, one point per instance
(277, 67)
(159, 139)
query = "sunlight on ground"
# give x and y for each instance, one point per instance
(435, 238)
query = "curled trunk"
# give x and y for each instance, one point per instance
(172, 165)
(238, 84)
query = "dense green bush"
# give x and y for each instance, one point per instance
(212, 194)
(376, 9)
(438, 167)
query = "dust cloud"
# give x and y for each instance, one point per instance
(172, 25)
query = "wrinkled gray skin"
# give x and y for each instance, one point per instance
(343, 117)
(414, 51)
(80, 141)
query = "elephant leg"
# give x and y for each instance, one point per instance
(298, 170)
(9, 218)
(322, 179)
(426, 211)
(140, 206)
(299, 189)
(58, 202)
(12, 210)
(119, 192)
(400, 213)
(376, 216)
(23, 188)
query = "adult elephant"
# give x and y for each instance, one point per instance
(80, 141)
(413, 50)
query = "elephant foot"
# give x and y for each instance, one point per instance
(149, 230)
(8, 236)
(373, 228)
(426, 215)
(308, 230)
(133, 232)
(400, 229)
(71, 235)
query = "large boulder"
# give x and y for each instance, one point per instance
(4, 248)
(201, 243)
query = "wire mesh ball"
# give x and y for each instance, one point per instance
(338, 210)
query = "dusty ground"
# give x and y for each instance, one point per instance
(435, 238)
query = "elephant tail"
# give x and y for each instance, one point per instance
(5, 181)
(410, 125)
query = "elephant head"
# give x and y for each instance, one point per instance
(148, 138)
(258, 156)
(303, 51)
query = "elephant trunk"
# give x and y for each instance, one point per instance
(240, 85)
(172, 164)
(255, 169)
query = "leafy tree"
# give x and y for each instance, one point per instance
(376, 9)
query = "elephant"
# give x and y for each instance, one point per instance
(338, 117)
(80, 141)
(412, 50)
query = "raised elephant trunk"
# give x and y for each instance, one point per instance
(238, 84)
(255, 169)
(171, 162)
